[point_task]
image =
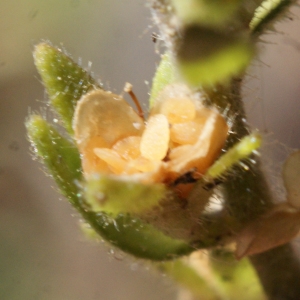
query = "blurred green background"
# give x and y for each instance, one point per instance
(43, 254)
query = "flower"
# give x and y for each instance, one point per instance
(180, 136)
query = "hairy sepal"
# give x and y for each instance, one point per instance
(120, 194)
(241, 150)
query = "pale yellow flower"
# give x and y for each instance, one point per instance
(180, 136)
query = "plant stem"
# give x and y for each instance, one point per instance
(279, 272)
(247, 196)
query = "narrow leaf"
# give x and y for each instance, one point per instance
(64, 80)
(136, 237)
(60, 156)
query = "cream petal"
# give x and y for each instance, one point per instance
(178, 110)
(128, 148)
(186, 133)
(207, 148)
(106, 115)
(112, 158)
(157, 175)
(155, 139)
(291, 179)
(176, 90)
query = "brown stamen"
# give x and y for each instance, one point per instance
(128, 89)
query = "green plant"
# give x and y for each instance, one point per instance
(146, 188)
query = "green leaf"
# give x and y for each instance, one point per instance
(116, 195)
(136, 237)
(207, 57)
(60, 156)
(64, 80)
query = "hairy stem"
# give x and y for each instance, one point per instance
(279, 272)
(247, 197)
(247, 194)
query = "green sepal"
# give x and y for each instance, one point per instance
(241, 150)
(136, 237)
(64, 80)
(207, 57)
(116, 195)
(164, 75)
(59, 155)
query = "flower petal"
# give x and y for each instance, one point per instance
(101, 113)
(155, 139)
(173, 91)
(207, 148)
